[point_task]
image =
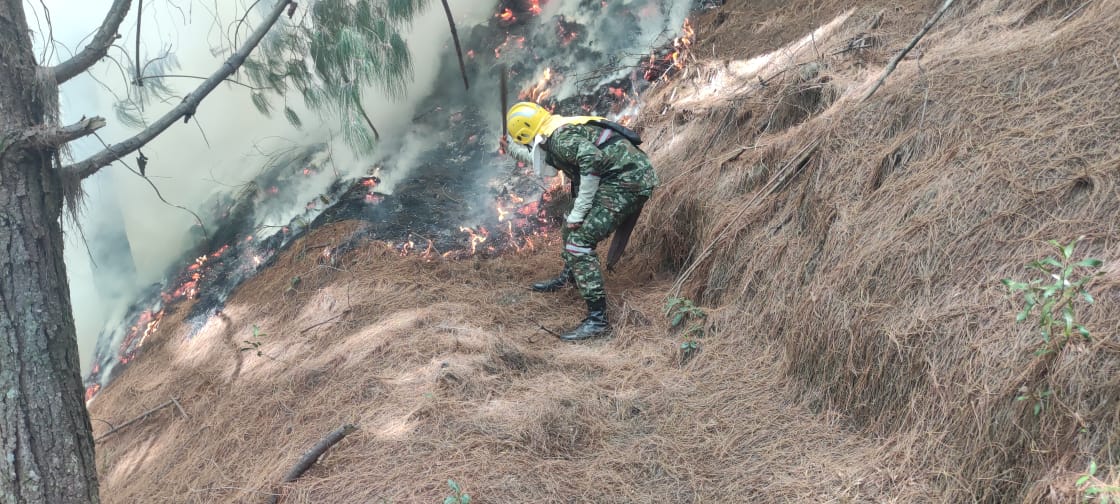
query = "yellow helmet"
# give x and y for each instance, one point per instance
(524, 121)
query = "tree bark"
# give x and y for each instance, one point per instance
(46, 442)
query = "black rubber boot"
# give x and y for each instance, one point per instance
(555, 284)
(593, 326)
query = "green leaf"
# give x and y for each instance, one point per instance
(450, 500)
(1037, 408)
(1092, 467)
(1050, 261)
(454, 486)
(1021, 398)
(684, 345)
(465, 499)
(1082, 480)
(1088, 297)
(1106, 498)
(292, 117)
(1091, 263)
(261, 103)
(1067, 251)
(1084, 332)
(677, 319)
(1067, 316)
(1021, 316)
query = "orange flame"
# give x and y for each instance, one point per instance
(540, 90)
(477, 238)
(535, 7)
(506, 15)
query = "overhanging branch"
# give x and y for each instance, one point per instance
(185, 109)
(55, 137)
(97, 47)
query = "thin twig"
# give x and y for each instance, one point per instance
(134, 420)
(898, 57)
(343, 312)
(180, 408)
(547, 330)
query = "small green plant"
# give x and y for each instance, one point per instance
(681, 310)
(1039, 397)
(254, 343)
(457, 495)
(1093, 490)
(1056, 295)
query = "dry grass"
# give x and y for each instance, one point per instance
(447, 375)
(860, 347)
(875, 265)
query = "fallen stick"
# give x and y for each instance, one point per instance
(898, 57)
(142, 416)
(308, 459)
(343, 312)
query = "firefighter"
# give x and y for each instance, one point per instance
(611, 181)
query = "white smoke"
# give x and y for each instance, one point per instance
(223, 147)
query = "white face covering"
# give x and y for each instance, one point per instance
(539, 167)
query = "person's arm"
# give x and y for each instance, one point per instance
(592, 163)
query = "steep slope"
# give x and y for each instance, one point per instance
(867, 240)
(859, 346)
(444, 369)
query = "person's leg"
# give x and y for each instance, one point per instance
(611, 207)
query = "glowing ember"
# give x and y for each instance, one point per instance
(369, 182)
(535, 7)
(470, 53)
(506, 15)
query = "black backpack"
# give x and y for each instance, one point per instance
(621, 132)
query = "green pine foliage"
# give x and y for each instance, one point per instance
(331, 54)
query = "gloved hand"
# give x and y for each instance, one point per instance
(503, 144)
(572, 226)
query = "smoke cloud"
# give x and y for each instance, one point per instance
(224, 146)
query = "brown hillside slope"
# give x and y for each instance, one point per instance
(443, 368)
(860, 348)
(867, 241)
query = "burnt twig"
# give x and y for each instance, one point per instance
(308, 459)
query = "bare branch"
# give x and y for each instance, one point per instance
(97, 48)
(57, 136)
(913, 42)
(185, 109)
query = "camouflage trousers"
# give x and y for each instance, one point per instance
(614, 202)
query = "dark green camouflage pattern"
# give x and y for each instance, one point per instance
(572, 150)
(627, 180)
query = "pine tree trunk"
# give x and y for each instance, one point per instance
(46, 443)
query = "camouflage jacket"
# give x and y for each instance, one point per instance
(573, 149)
